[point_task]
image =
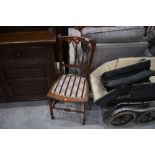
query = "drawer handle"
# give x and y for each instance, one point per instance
(18, 55)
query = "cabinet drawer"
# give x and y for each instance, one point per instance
(28, 86)
(2, 93)
(25, 72)
(23, 52)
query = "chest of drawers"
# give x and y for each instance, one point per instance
(27, 65)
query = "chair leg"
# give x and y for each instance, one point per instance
(85, 105)
(50, 103)
(90, 103)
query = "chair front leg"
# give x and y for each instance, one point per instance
(51, 105)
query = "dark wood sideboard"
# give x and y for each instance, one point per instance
(27, 65)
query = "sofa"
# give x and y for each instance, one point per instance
(150, 37)
(116, 42)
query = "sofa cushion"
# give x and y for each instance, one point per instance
(152, 50)
(113, 34)
(150, 33)
(106, 52)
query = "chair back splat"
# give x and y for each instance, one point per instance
(81, 54)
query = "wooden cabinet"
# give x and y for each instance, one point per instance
(27, 65)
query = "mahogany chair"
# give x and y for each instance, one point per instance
(74, 86)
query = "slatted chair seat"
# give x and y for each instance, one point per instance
(71, 88)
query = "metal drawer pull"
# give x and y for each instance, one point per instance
(18, 55)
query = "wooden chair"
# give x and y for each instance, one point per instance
(73, 87)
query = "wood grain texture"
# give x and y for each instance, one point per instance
(27, 37)
(26, 61)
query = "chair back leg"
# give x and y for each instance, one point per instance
(85, 107)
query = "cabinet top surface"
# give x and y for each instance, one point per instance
(27, 37)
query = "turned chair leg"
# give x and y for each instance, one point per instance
(50, 103)
(85, 105)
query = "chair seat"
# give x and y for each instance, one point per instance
(70, 88)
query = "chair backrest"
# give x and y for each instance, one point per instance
(81, 50)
